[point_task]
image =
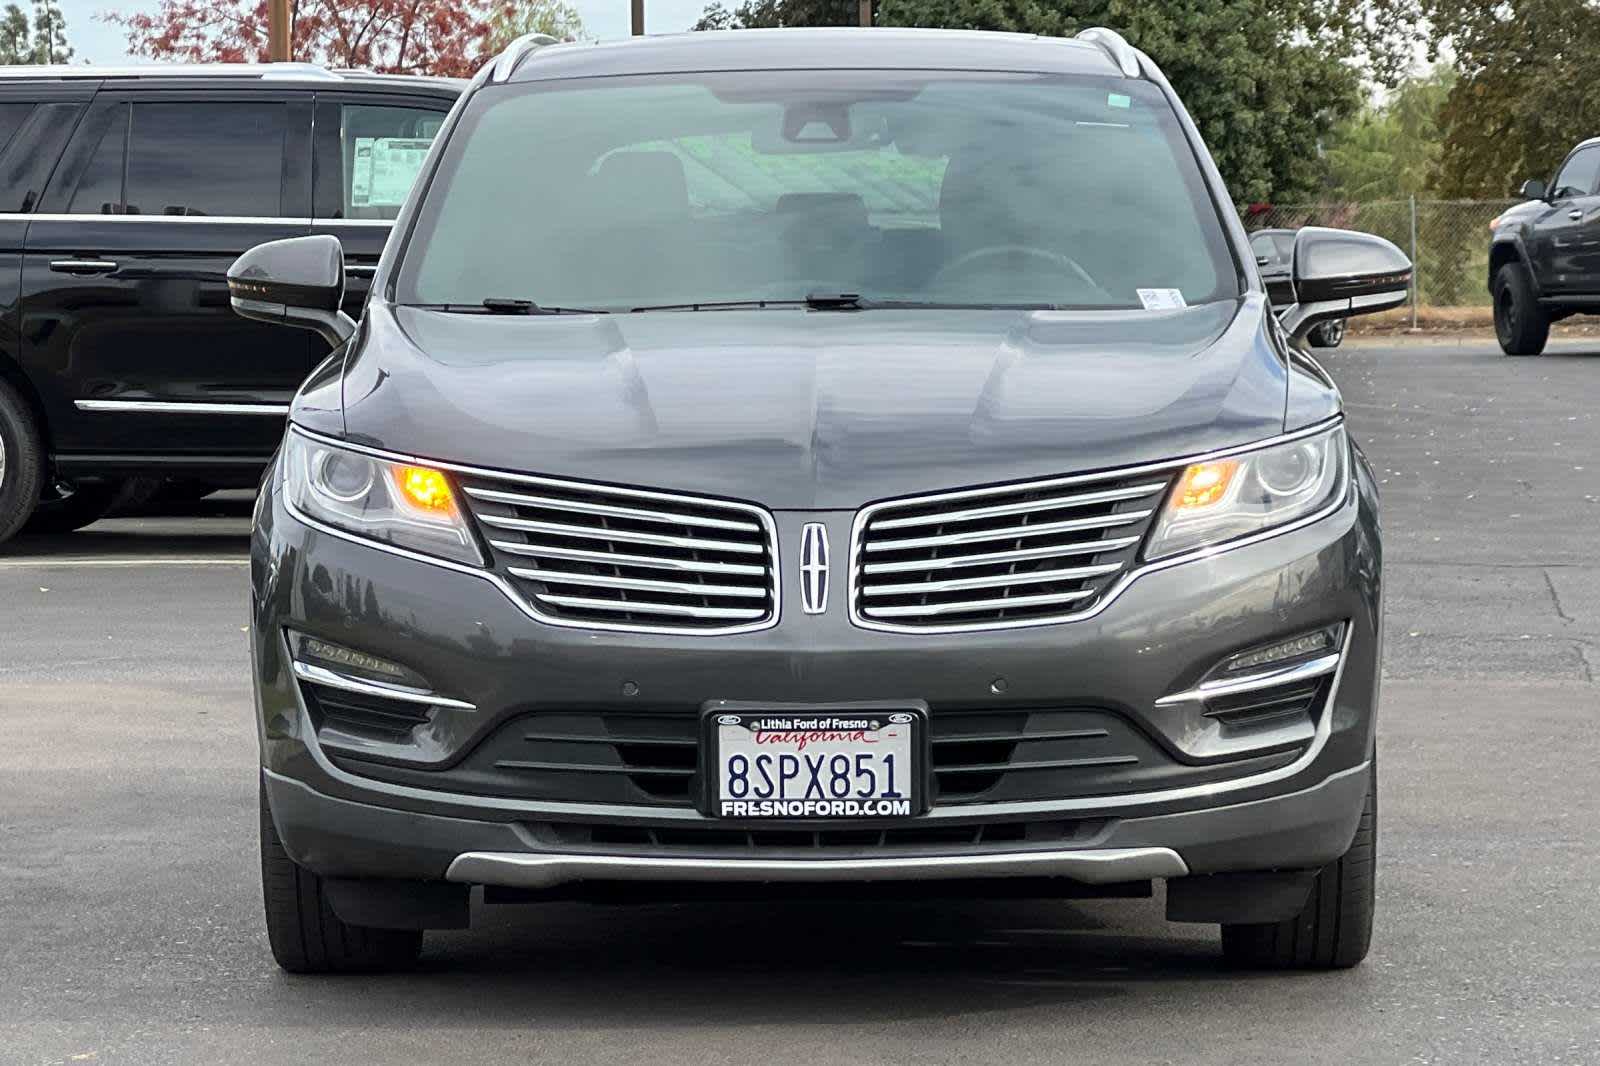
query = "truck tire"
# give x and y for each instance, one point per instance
(21, 462)
(305, 934)
(1520, 324)
(1334, 930)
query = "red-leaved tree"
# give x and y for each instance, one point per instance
(445, 37)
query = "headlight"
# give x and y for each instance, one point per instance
(408, 506)
(1226, 498)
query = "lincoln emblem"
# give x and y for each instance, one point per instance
(814, 568)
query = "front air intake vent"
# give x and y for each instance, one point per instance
(604, 557)
(1023, 554)
(339, 713)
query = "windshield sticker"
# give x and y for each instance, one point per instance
(384, 169)
(1118, 100)
(1162, 299)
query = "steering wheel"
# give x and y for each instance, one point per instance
(1061, 263)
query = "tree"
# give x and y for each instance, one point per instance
(444, 37)
(1529, 88)
(1266, 80)
(1391, 151)
(557, 18)
(16, 36)
(49, 33)
(41, 40)
(771, 14)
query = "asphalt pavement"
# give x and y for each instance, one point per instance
(130, 924)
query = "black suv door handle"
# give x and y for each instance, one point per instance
(83, 266)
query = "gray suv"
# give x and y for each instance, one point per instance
(806, 461)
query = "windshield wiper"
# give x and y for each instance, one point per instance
(849, 301)
(817, 301)
(495, 305)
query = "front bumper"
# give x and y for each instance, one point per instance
(1159, 637)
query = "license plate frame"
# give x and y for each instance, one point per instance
(911, 714)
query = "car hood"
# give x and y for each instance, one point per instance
(813, 409)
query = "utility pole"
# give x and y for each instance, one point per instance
(278, 31)
(866, 12)
(638, 18)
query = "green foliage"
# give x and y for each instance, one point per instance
(557, 18)
(49, 33)
(1265, 80)
(43, 39)
(1391, 151)
(771, 14)
(1529, 89)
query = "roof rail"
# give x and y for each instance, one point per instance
(297, 71)
(1114, 45)
(264, 71)
(515, 52)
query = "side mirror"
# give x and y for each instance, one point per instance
(1339, 273)
(1533, 189)
(296, 282)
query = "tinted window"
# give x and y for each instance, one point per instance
(948, 188)
(381, 151)
(207, 159)
(99, 190)
(1577, 177)
(32, 150)
(11, 119)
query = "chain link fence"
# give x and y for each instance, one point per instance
(1448, 240)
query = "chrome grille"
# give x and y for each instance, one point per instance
(605, 557)
(1009, 555)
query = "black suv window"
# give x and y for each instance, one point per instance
(187, 159)
(1577, 177)
(11, 118)
(99, 190)
(368, 156)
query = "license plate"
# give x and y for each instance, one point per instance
(825, 765)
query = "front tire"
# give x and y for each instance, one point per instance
(21, 462)
(305, 934)
(1334, 929)
(1521, 325)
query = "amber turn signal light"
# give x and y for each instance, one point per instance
(425, 488)
(1204, 484)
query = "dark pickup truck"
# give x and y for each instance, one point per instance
(124, 197)
(1544, 257)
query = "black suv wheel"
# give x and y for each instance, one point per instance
(305, 934)
(1334, 929)
(1520, 324)
(21, 462)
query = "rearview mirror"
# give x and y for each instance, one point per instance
(295, 282)
(1533, 189)
(1339, 273)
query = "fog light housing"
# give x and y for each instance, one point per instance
(1286, 652)
(349, 661)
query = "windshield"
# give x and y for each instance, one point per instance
(941, 189)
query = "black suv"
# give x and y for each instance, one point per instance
(124, 195)
(1544, 259)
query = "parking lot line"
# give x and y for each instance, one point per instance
(40, 564)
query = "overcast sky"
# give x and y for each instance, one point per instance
(97, 42)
